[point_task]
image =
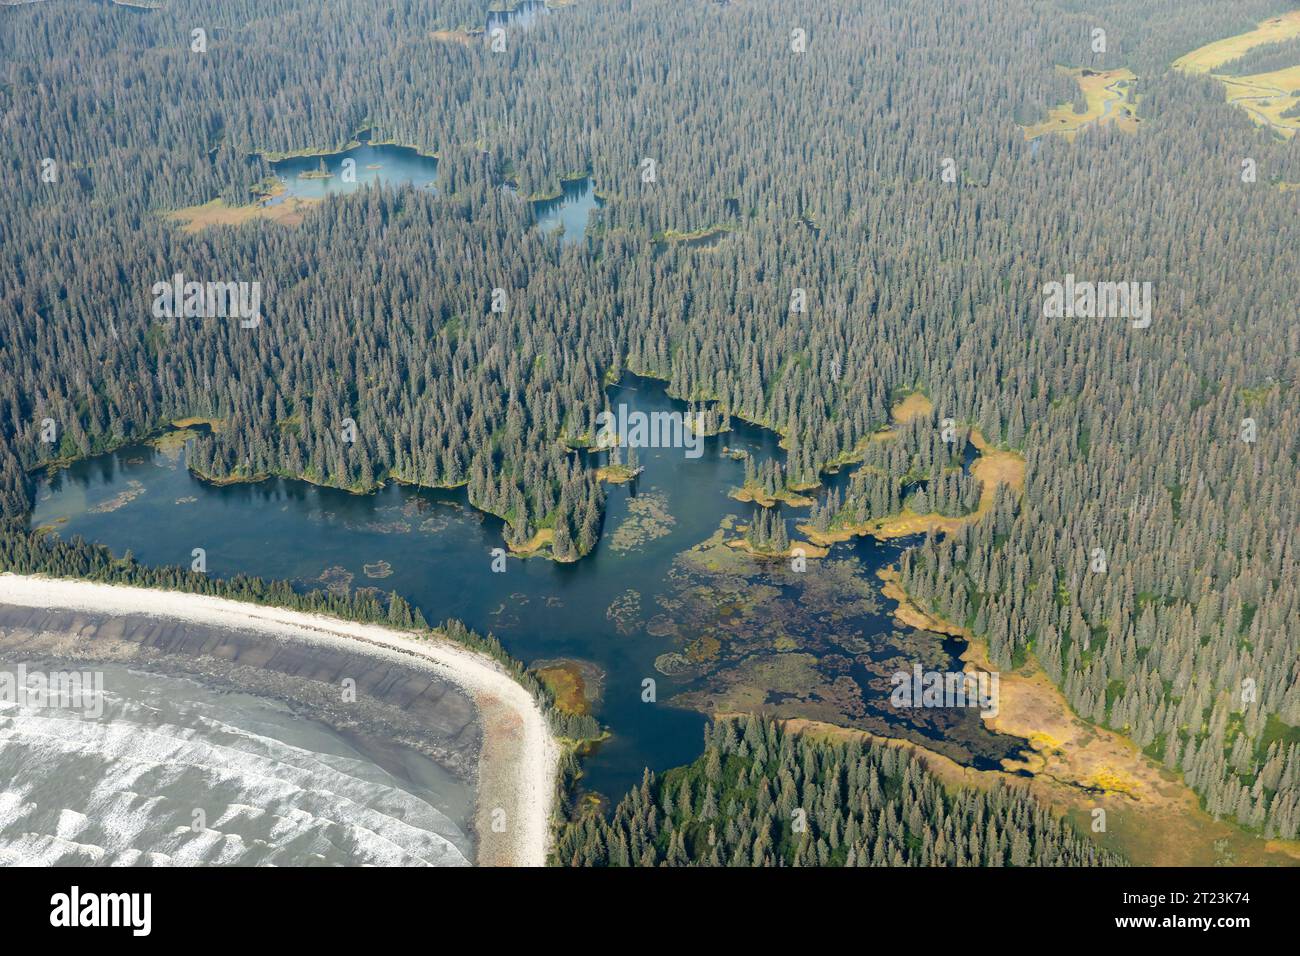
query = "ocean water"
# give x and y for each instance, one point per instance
(174, 772)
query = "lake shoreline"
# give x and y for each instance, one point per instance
(1078, 766)
(540, 549)
(519, 759)
(546, 609)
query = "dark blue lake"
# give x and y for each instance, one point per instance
(660, 597)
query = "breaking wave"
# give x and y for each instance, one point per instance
(175, 773)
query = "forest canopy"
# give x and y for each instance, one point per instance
(377, 308)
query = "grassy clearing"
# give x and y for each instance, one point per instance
(1212, 55)
(915, 405)
(1105, 92)
(463, 37)
(912, 405)
(702, 239)
(567, 687)
(754, 493)
(215, 424)
(993, 467)
(543, 538)
(1264, 96)
(616, 474)
(289, 212)
(170, 443)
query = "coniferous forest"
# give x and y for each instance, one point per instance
(761, 796)
(794, 237)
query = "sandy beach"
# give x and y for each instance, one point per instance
(519, 759)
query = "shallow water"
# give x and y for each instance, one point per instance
(390, 165)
